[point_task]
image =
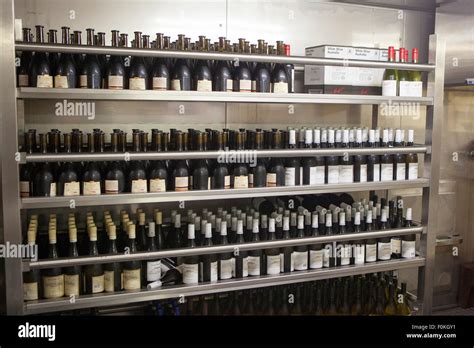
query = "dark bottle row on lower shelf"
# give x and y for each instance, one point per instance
(230, 170)
(207, 229)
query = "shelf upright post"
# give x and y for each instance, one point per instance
(429, 218)
(10, 267)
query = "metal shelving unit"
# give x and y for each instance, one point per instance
(12, 104)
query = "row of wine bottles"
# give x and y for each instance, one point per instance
(223, 228)
(372, 294)
(139, 73)
(230, 170)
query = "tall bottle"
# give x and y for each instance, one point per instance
(41, 74)
(272, 256)
(384, 246)
(208, 264)
(261, 79)
(240, 173)
(202, 75)
(292, 164)
(137, 175)
(332, 162)
(255, 258)
(115, 181)
(309, 164)
(286, 253)
(276, 169)
(44, 179)
(402, 302)
(27, 170)
(315, 250)
(290, 71)
(90, 71)
(225, 259)
(258, 171)
(25, 59)
(403, 75)
(115, 73)
(152, 267)
(93, 274)
(346, 162)
(399, 159)
(360, 161)
(222, 78)
(68, 177)
(411, 159)
(191, 263)
(112, 271)
(220, 172)
(92, 176)
(66, 74)
(241, 269)
(386, 160)
(53, 278)
(416, 84)
(201, 178)
(181, 73)
(73, 283)
(32, 278)
(390, 77)
(131, 269)
(242, 72)
(408, 241)
(179, 179)
(138, 73)
(53, 57)
(279, 74)
(160, 73)
(300, 251)
(157, 172)
(373, 161)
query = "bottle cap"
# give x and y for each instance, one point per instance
(93, 233)
(131, 231)
(112, 230)
(151, 229)
(72, 234)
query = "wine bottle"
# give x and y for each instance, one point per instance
(202, 75)
(53, 278)
(279, 77)
(332, 162)
(390, 77)
(360, 161)
(222, 78)
(93, 274)
(141, 234)
(90, 71)
(152, 267)
(286, 253)
(391, 305)
(115, 70)
(208, 264)
(261, 78)
(27, 171)
(416, 84)
(138, 73)
(411, 159)
(315, 250)
(23, 66)
(179, 179)
(242, 73)
(384, 247)
(65, 75)
(92, 176)
(346, 162)
(386, 160)
(402, 302)
(276, 170)
(112, 271)
(399, 159)
(160, 74)
(258, 171)
(403, 75)
(181, 73)
(240, 173)
(225, 259)
(44, 179)
(73, 284)
(68, 178)
(373, 161)
(41, 74)
(255, 258)
(131, 269)
(292, 164)
(32, 278)
(137, 175)
(114, 173)
(408, 241)
(290, 71)
(300, 251)
(310, 164)
(201, 179)
(191, 263)
(241, 257)
(272, 255)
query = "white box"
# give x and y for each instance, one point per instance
(368, 77)
(361, 53)
(326, 51)
(329, 75)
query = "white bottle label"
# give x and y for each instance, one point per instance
(53, 287)
(131, 279)
(30, 291)
(312, 175)
(363, 173)
(24, 189)
(387, 172)
(245, 85)
(227, 182)
(301, 260)
(359, 254)
(346, 174)
(271, 179)
(408, 249)
(190, 273)
(204, 85)
(60, 81)
(250, 180)
(333, 174)
(153, 270)
(181, 183)
(115, 82)
(290, 179)
(157, 185)
(23, 81)
(98, 284)
(370, 252)
(254, 86)
(404, 89)
(91, 188)
(137, 83)
(44, 81)
(389, 88)
(83, 81)
(416, 88)
(111, 186)
(273, 264)
(71, 285)
(52, 189)
(229, 85)
(254, 265)
(326, 256)
(412, 171)
(345, 255)
(377, 172)
(72, 189)
(401, 171)
(160, 83)
(384, 250)
(176, 85)
(280, 87)
(109, 281)
(226, 269)
(241, 181)
(139, 186)
(396, 245)
(213, 274)
(320, 175)
(316, 258)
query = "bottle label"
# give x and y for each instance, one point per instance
(333, 174)
(408, 249)
(204, 85)
(377, 172)
(214, 271)
(412, 171)
(181, 183)
(396, 245)
(139, 186)
(404, 89)
(245, 85)
(53, 286)
(241, 181)
(91, 188)
(384, 250)
(71, 285)
(115, 82)
(60, 81)
(359, 254)
(111, 186)
(83, 81)
(316, 258)
(415, 88)
(137, 83)
(280, 87)
(363, 173)
(98, 284)
(227, 182)
(271, 179)
(72, 188)
(387, 172)
(370, 252)
(190, 273)
(254, 265)
(30, 291)
(316, 175)
(226, 269)
(389, 88)
(23, 80)
(290, 177)
(254, 86)
(176, 85)
(160, 83)
(301, 260)
(44, 81)
(326, 256)
(157, 185)
(229, 85)
(401, 171)
(24, 189)
(153, 270)
(346, 174)
(345, 255)
(109, 281)
(273, 264)
(250, 180)
(52, 189)
(131, 279)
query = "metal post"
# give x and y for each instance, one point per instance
(434, 125)
(10, 191)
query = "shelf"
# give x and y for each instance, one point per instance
(121, 51)
(124, 297)
(87, 260)
(172, 155)
(194, 96)
(173, 196)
